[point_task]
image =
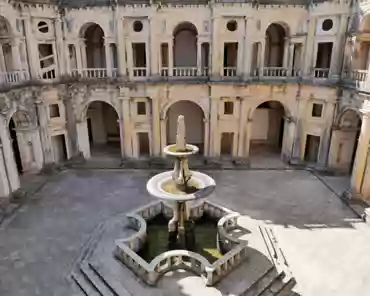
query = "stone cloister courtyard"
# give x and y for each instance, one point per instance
(324, 243)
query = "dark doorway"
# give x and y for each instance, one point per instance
(312, 148)
(17, 154)
(60, 148)
(144, 146)
(227, 144)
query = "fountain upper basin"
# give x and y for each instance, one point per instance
(204, 186)
(172, 150)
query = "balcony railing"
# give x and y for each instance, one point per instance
(13, 77)
(358, 75)
(321, 72)
(275, 72)
(139, 72)
(90, 73)
(185, 71)
(229, 72)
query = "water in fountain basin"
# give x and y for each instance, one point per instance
(205, 238)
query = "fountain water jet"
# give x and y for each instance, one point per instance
(180, 187)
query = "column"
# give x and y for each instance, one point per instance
(16, 54)
(8, 156)
(361, 158)
(163, 134)
(5, 189)
(78, 55)
(199, 57)
(286, 52)
(338, 47)
(83, 53)
(130, 64)
(60, 46)
(247, 50)
(127, 131)
(83, 144)
(156, 128)
(121, 48)
(108, 58)
(122, 136)
(242, 123)
(206, 136)
(170, 57)
(248, 137)
(44, 132)
(213, 126)
(33, 59)
(262, 57)
(309, 46)
(290, 60)
(215, 50)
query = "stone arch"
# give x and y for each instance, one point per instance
(83, 110)
(25, 141)
(94, 37)
(287, 111)
(99, 131)
(342, 116)
(268, 126)
(276, 34)
(194, 121)
(185, 36)
(344, 139)
(5, 27)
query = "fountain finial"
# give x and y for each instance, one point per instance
(180, 135)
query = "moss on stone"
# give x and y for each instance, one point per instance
(171, 187)
(205, 239)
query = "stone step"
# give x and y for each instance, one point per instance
(95, 280)
(287, 289)
(113, 283)
(275, 286)
(111, 289)
(262, 283)
(84, 285)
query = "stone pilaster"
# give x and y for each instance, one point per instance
(242, 124)
(156, 129)
(60, 54)
(309, 53)
(121, 48)
(44, 132)
(213, 126)
(127, 128)
(33, 59)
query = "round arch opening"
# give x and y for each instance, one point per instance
(349, 124)
(103, 129)
(267, 129)
(275, 44)
(93, 35)
(19, 121)
(5, 43)
(194, 124)
(185, 45)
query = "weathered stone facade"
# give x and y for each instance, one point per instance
(286, 77)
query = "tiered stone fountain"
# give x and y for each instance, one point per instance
(180, 188)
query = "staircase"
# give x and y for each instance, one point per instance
(91, 283)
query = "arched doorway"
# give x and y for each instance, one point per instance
(22, 144)
(193, 122)
(95, 50)
(185, 49)
(275, 44)
(15, 146)
(6, 57)
(103, 129)
(267, 129)
(349, 125)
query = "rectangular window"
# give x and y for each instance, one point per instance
(228, 108)
(141, 108)
(317, 110)
(54, 110)
(139, 55)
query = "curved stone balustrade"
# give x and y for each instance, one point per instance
(126, 248)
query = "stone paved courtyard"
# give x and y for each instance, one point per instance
(323, 241)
